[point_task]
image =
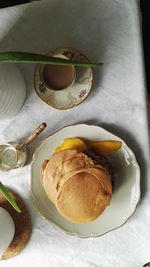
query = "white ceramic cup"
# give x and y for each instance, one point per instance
(12, 90)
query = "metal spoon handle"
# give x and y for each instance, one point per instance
(29, 139)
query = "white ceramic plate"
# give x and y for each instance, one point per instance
(126, 192)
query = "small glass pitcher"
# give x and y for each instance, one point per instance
(14, 155)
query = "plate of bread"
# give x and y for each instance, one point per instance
(85, 180)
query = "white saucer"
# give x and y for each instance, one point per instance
(75, 94)
(126, 191)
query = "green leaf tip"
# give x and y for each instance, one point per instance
(6, 194)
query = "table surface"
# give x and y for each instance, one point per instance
(107, 31)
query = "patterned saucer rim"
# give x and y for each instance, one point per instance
(55, 52)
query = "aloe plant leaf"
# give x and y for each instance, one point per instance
(23, 57)
(10, 199)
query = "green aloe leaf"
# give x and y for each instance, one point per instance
(10, 199)
(23, 57)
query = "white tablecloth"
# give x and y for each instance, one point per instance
(106, 31)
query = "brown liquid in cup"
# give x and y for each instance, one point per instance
(58, 77)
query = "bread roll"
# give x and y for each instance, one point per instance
(79, 186)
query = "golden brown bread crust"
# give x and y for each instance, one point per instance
(79, 189)
(59, 167)
(82, 198)
(22, 223)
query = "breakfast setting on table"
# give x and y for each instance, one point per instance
(74, 137)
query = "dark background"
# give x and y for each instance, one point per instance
(6, 3)
(145, 10)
